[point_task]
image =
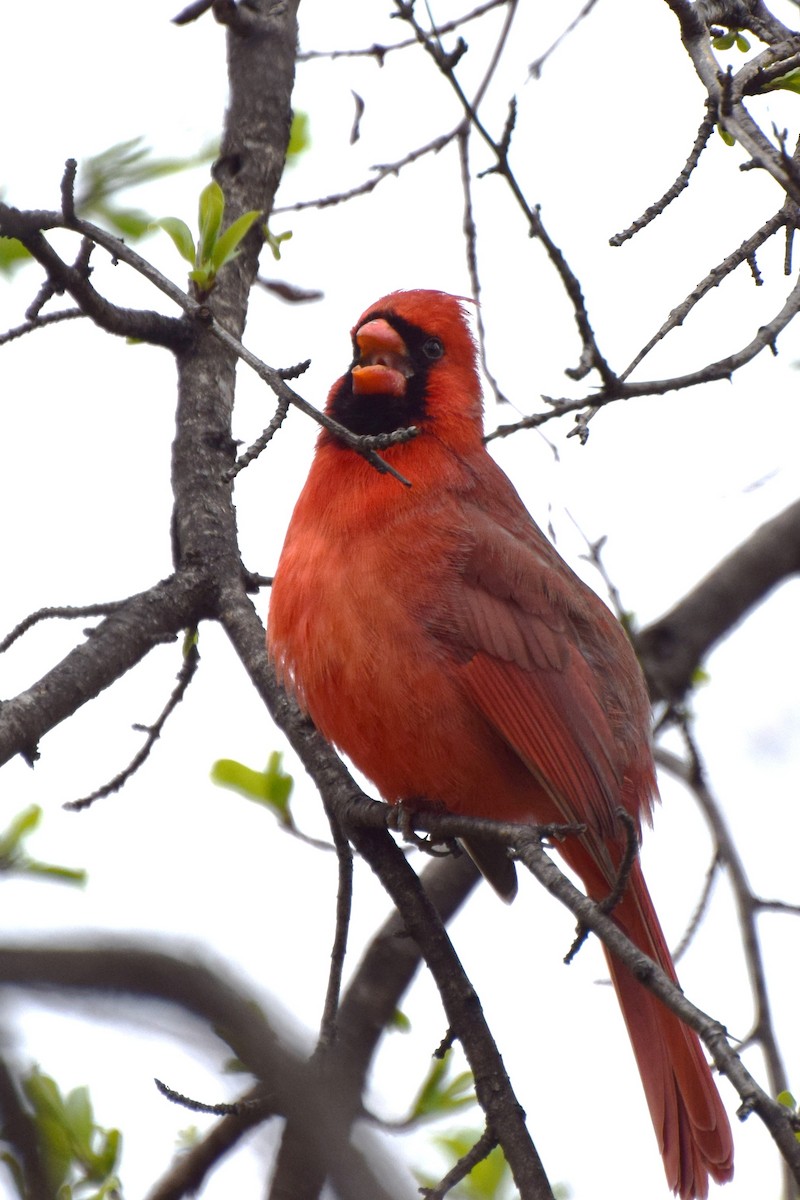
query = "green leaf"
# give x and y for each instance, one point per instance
(788, 1101)
(181, 235)
(43, 1093)
(274, 241)
(786, 83)
(14, 857)
(489, 1179)
(188, 1138)
(226, 246)
(191, 639)
(203, 278)
(76, 875)
(734, 37)
(21, 825)
(79, 1119)
(75, 1152)
(226, 772)
(727, 138)
(211, 211)
(399, 1022)
(16, 1172)
(131, 223)
(278, 783)
(12, 255)
(438, 1095)
(124, 165)
(106, 1158)
(101, 178)
(299, 137)
(272, 787)
(55, 1149)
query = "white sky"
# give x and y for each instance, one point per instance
(674, 482)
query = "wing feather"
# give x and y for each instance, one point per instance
(528, 643)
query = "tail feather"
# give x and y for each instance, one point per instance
(691, 1125)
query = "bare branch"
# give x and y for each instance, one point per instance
(421, 920)
(65, 612)
(188, 1170)
(383, 171)
(118, 643)
(191, 660)
(66, 314)
(763, 1032)
(225, 1006)
(536, 66)
(151, 327)
(713, 279)
(481, 1150)
(673, 647)
(379, 52)
(701, 141)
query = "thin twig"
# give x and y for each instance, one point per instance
(693, 775)
(235, 1108)
(192, 12)
(470, 240)
(484, 1146)
(535, 69)
(344, 901)
(701, 908)
(261, 443)
(67, 612)
(66, 314)
(383, 171)
(379, 52)
(701, 141)
(186, 674)
(591, 356)
(714, 278)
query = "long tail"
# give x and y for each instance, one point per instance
(691, 1125)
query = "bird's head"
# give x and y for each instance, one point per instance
(414, 363)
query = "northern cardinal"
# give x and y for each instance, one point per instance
(435, 636)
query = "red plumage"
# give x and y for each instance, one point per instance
(435, 636)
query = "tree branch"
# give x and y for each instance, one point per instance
(225, 1007)
(672, 648)
(118, 643)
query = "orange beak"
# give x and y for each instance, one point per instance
(384, 365)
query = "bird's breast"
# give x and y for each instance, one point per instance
(350, 631)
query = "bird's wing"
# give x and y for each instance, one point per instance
(521, 644)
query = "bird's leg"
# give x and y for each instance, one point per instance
(626, 864)
(609, 903)
(402, 819)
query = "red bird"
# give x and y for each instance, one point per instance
(437, 638)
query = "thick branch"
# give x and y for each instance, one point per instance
(754, 1098)
(144, 325)
(114, 646)
(420, 918)
(725, 93)
(198, 989)
(673, 647)
(374, 994)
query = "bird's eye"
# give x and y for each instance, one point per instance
(432, 348)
